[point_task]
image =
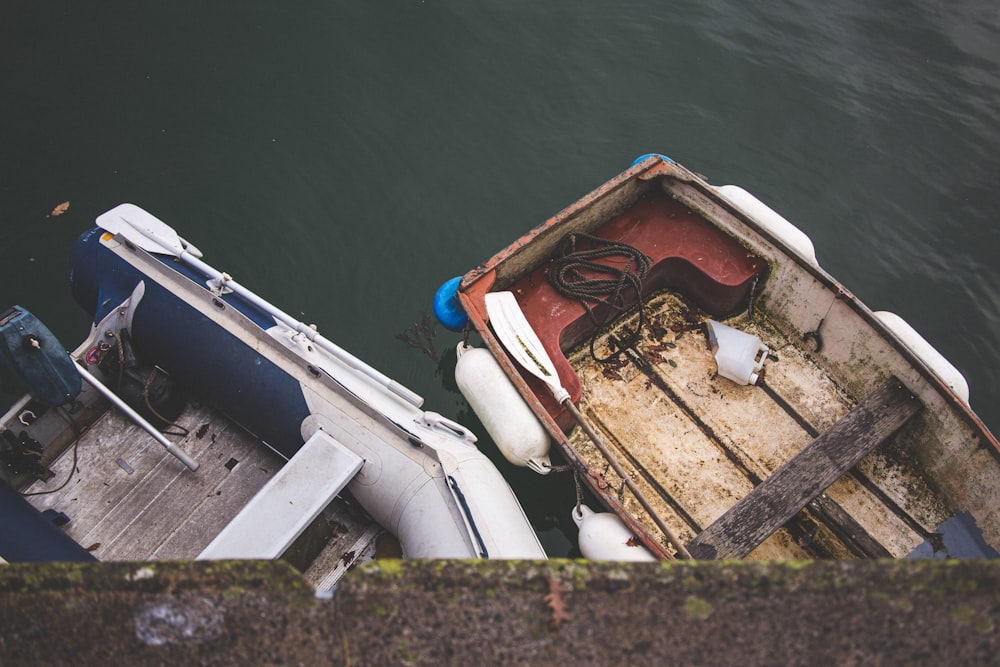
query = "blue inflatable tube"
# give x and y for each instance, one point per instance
(26, 536)
(447, 308)
(204, 358)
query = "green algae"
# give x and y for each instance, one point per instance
(407, 655)
(698, 608)
(381, 604)
(964, 614)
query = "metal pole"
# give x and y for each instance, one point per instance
(176, 451)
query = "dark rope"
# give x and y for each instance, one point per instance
(76, 447)
(577, 275)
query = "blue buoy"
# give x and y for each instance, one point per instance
(447, 309)
(643, 157)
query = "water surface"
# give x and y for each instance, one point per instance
(343, 158)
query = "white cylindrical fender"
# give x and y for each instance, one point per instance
(937, 362)
(604, 536)
(505, 415)
(771, 220)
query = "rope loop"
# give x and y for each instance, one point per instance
(576, 274)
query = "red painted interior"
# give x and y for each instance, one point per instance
(688, 255)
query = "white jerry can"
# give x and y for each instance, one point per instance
(740, 355)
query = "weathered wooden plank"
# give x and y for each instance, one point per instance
(336, 560)
(801, 479)
(847, 529)
(232, 489)
(99, 481)
(234, 466)
(128, 495)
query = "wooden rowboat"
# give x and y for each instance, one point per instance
(849, 436)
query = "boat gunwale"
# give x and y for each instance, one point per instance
(294, 364)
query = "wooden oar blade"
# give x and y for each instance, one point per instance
(521, 341)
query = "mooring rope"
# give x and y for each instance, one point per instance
(577, 275)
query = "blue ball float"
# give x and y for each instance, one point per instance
(447, 309)
(647, 155)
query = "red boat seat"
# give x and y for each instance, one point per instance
(706, 266)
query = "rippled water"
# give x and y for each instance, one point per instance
(344, 158)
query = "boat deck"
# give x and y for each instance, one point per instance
(697, 443)
(129, 500)
(684, 252)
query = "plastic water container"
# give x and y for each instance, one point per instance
(739, 355)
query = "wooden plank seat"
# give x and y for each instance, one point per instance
(807, 475)
(288, 503)
(687, 254)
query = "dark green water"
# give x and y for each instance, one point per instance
(345, 158)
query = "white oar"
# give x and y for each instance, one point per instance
(153, 235)
(516, 334)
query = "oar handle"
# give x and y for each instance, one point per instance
(612, 459)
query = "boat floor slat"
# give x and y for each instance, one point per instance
(233, 467)
(665, 442)
(128, 515)
(778, 498)
(708, 441)
(353, 542)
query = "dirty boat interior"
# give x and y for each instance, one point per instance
(833, 440)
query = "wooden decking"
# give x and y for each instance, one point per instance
(699, 443)
(128, 500)
(806, 475)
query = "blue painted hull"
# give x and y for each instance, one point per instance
(27, 536)
(203, 357)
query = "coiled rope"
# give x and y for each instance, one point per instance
(576, 274)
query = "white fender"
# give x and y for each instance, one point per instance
(505, 415)
(604, 536)
(936, 361)
(771, 220)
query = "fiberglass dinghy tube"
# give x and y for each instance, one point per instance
(423, 479)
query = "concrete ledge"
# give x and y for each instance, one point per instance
(495, 612)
